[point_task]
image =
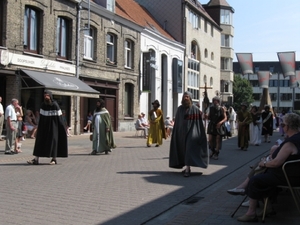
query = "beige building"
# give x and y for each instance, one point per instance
(222, 14)
(189, 23)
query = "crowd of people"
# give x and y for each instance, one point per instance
(191, 144)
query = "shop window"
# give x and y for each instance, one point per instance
(128, 100)
(128, 54)
(111, 49)
(63, 37)
(32, 29)
(89, 43)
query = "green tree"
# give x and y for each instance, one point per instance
(242, 92)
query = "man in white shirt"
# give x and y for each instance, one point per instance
(144, 120)
(11, 127)
(139, 126)
(1, 119)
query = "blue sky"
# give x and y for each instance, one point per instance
(265, 27)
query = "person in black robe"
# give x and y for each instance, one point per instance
(188, 141)
(267, 123)
(51, 138)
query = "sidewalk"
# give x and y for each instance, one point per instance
(132, 185)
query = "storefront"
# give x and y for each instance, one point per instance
(65, 90)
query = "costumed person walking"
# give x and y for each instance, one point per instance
(216, 130)
(255, 127)
(267, 123)
(103, 138)
(51, 137)
(232, 120)
(244, 118)
(157, 129)
(188, 141)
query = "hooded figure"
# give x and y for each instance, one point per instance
(188, 142)
(103, 138)
(51, 137)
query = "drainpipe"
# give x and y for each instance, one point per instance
(76, 98)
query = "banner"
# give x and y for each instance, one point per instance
(246, 62)
(263, 78)
(287, 62)
(146, 86)
(294, 79)
(177, 66)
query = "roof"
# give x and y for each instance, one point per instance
(218, 3)
(131, 10)
(197, 5)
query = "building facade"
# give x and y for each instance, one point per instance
(222, 14)
(81, 50)
(283, 96)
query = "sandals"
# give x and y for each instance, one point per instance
(33, 162)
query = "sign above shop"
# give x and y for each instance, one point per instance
(34, 62)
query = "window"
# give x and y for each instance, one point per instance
(226, 40)
(195, 51)
(128, 100)
(128, 53)
(31, 29)
(205, 26)
(63, 37)
(194, 19)
(226, 63)
(110, 5)
(212, 56)
(111, 49)
(273, 96)
(226, 17)
(212, 30)
(205, 53)
(193, 78)
(89, 40)
(2, 19)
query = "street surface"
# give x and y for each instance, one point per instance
(132, 185)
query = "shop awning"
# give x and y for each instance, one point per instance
(61, 84)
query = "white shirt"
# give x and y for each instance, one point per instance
(10, 112)
(1, 110)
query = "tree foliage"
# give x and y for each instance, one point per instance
(242, 92)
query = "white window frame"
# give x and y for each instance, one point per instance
(89, 44)
(128, 53)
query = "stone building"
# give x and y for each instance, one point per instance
(81, 50)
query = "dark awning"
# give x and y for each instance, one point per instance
(62, 85)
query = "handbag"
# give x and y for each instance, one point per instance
(222, 130)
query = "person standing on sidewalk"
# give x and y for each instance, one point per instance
(102, 137)
(244, 118)
(267, 123)
(51, 138)
(188, 141)
(1, 118)
(11, 127)
(216, 116)
(157, 129)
